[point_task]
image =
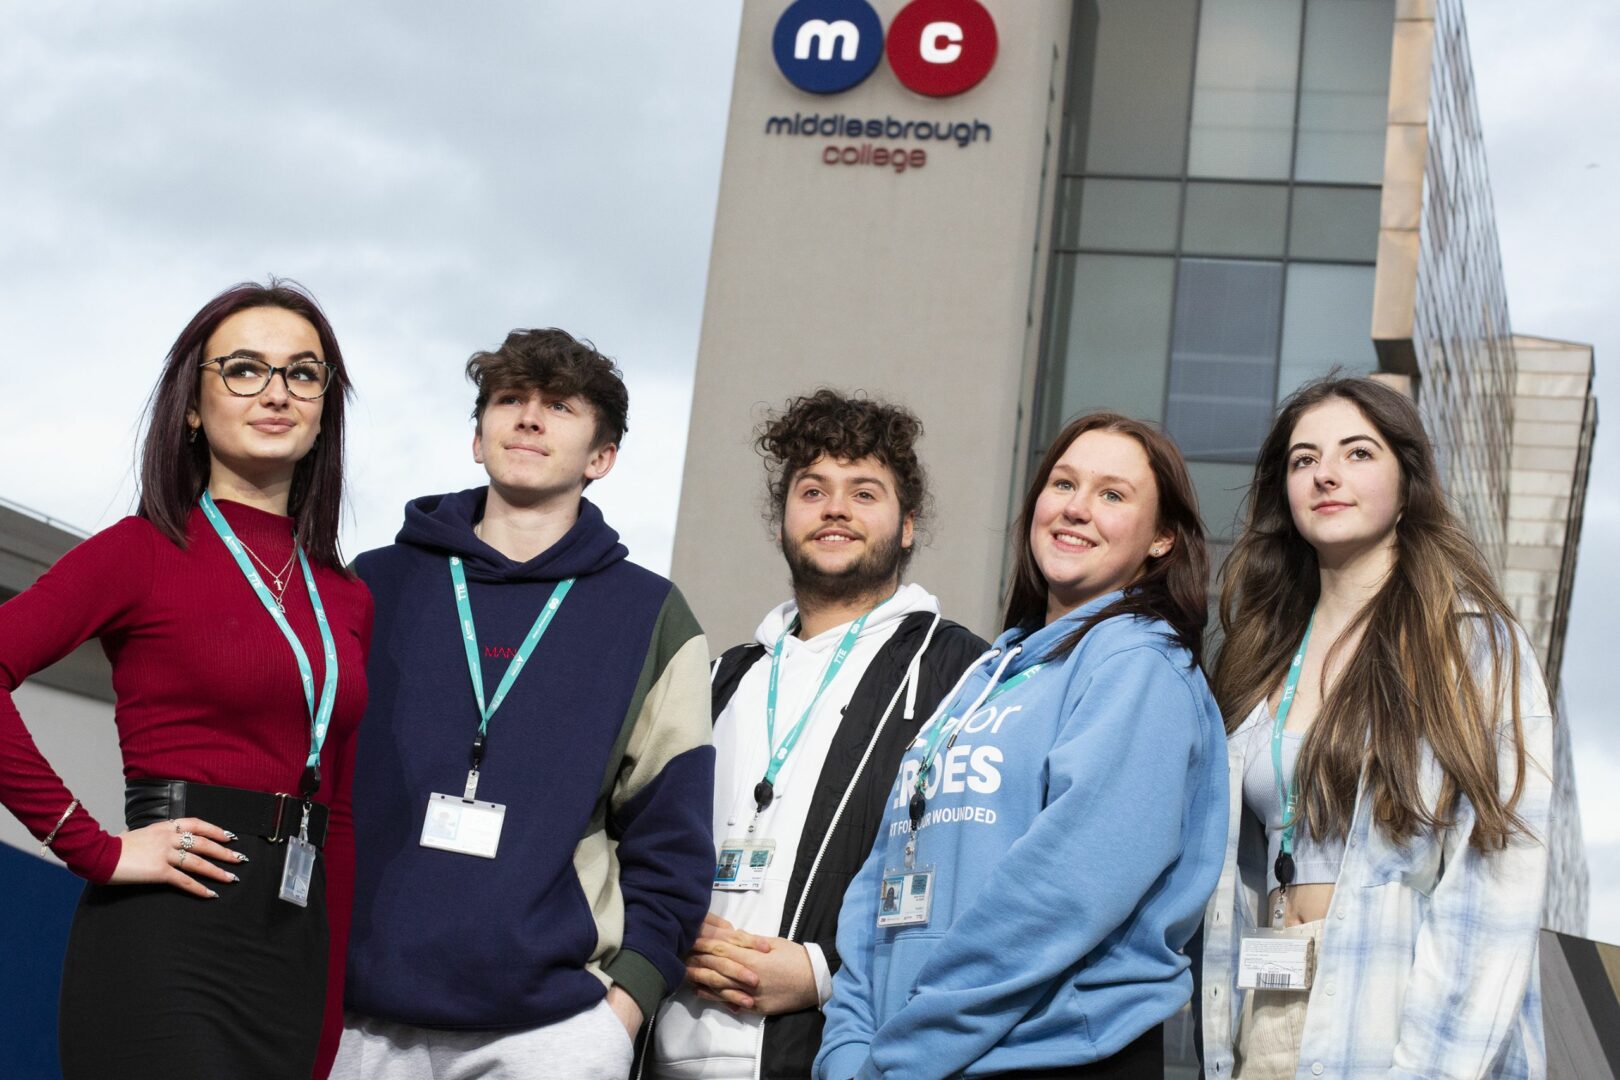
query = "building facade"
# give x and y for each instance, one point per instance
(1181, 209)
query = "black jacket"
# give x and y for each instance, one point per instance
(811, 911)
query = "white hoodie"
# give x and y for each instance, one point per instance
(699, 1040)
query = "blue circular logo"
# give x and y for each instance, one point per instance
(828, 46)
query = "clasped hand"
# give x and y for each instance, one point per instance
(767, 975)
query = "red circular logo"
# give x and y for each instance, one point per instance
(942, 47)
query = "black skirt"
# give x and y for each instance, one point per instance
(161, 985)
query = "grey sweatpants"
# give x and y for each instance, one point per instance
(592, 1045)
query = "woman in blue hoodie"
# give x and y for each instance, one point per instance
(1056, 829)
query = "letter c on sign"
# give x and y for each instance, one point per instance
(941, 47)
(941, 43)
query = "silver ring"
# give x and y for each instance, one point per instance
(182, 861)
(187, 841)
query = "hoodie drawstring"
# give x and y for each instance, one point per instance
(945, 703)
(914, 670)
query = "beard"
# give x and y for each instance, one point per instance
(876, 570)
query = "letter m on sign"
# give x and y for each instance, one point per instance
(842, 35)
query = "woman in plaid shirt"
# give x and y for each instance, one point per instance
(1390, 749)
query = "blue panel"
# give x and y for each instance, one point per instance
(37, 900)
(828, 46)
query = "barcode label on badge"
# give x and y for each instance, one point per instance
(1275, 960)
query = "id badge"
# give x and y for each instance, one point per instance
(1275, 960)
(905, 897)
(297, 871)
(465, 826)
(742, 864)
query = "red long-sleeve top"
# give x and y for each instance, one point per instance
(207, 688)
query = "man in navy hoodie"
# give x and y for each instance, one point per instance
(534, 778)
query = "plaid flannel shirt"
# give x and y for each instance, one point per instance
(1427, 967)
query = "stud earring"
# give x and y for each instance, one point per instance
(193, 437)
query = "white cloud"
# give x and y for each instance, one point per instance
(436, 175)
(1596, 767)
(1546, 85)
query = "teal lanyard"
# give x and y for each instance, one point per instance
(320, 718)
(946, 724)
(917, 808)
(1288, 800)
(469, 641)
(765, 790)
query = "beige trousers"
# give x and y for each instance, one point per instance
(1272, 1025)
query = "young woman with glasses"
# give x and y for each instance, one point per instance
(1389, 762)
(1058, 825)
(210, 941)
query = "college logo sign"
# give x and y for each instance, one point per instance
(935, 47)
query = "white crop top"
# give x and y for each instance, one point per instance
(1314, 863)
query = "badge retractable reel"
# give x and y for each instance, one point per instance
(299, 868)
(1275, 957)
(464, 824)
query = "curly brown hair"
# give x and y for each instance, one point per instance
(844, 427)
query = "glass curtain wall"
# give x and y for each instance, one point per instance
(1218, 218)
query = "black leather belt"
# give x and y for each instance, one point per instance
(246, 813)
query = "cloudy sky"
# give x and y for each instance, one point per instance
(1546, 79)
(438, 174)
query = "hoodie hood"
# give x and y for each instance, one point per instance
(444, 524)
(885, 617)
(1036, 644)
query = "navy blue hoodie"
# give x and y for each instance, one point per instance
(600, 754)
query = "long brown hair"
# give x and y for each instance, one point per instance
(1410, 682)
(174, 469)
(1173, 588)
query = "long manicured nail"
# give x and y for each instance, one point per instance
(212, 895)
(234, 879)
(229, 836)
(241, 857)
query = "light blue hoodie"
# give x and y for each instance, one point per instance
(1076, 829)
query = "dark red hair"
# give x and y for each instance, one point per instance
(174, 469)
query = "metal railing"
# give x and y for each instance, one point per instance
(37, 515)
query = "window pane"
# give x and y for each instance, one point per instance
(1243, 97)
(1110, 336)
(1235, 219)
(1221, 490)
(1327, 324)
(1223, 357)
(1335, 223)
(1127, 215)
(1344, 90)
(1130, 73)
